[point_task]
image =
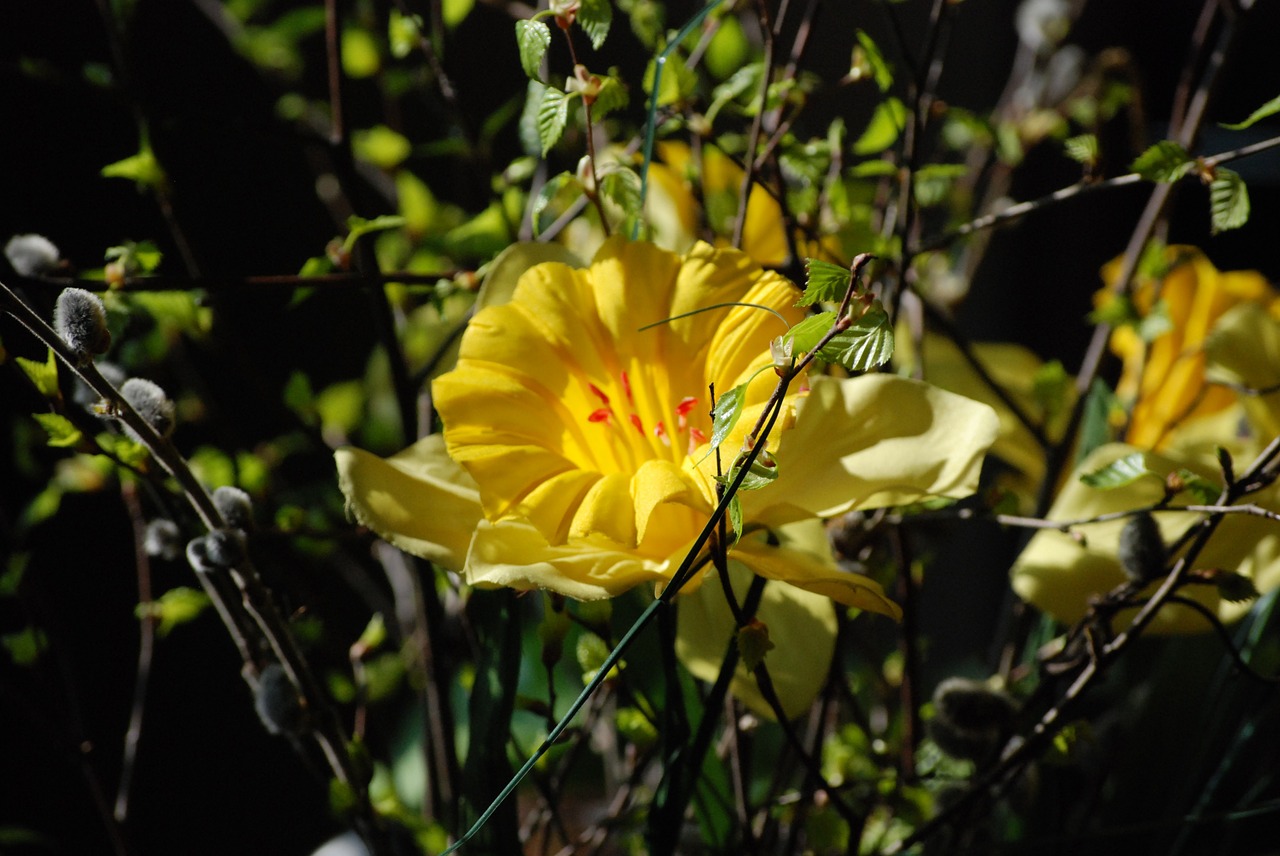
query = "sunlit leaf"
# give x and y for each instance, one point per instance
(1118, 473)
(867, 58)
(1269, 109)
(553, 113)
(888, 120)
(726, 413)
(1165, 161)
(44, 376)
(62, 432)
(595, 16)
(1228, 201)
(866, 344)
(824, 281)
(533, 38)
(805, 336)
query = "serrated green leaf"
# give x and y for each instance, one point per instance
(867, 57)
(533, 38)
(1118, 473)
(1235, 588)
(726, 413)
(595, 16)
(866, 344)
(1205, 491)
(1166, 161)
(612, 96)
(804, 337)
(1082, 149)
(44, 376)
(620, 188)
(824, 281)
(553, 113)
(1269, 109)
(63, 434)
(733, 515)
(888, 120)
(1228, 201)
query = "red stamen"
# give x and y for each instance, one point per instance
(686, 405)
(602, 414)
(598, 393)
(697, 437)
(660, 431)
(626, 387)
(635, 420)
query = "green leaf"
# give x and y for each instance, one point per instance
(360, 57)
(553, 113)
(142, 168)
(25, 645)
(595, 16)
(1166, 161)
(733, 516)
(1228, 201)
(1269, 109)
(454, 12)
(1082, 149)
(44, 376)
(127, 451)
(934, 181)
(612, 96)
(175, 607)
(403, 33)
(867, 58)
(11, 579)
(1118, 473)
(63, 434)
(564, 186)
(375, 633)
(620, 188)
(358, 227)
(754, 643)
(873, 169)
(1205, 491)
(726, 413)
(1049, 387)
(866, 344)
(533, 37)
(805, 336)
(824, 281)
(1095, 425)
(381, 146)
(676, 83)
(888, 120)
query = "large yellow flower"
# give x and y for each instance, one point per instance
(575, 451)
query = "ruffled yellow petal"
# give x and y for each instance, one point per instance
(1059, 574)
(802, 628)
(1244, 349)
(419, 500)
(809, 565)
(513, 553)
(875, 441)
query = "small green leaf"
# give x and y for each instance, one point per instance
(1269, 109)
(726, 413)
(1235, 587)
(612, 96)
(381, 146)
(866, 344)
(175, 607)
(127, 451)
(1205, 491)
(44, 376)
(805, 336)
(533, 37)
(63, 434)
(867, 57)
(1118, 473)
(595, 16)
(620, 188)
(1095, 425)
(1049, 387)
(873, 169)
(824, 281)
(375, 633)
(359, 53)
(1166, 161)
(1228, 201)
(403, 33)
(553, 113)
(1155, 323)
(754, 643)
(934, 181)
(142, 168)
(11, 579)
(25, 645)
(888, 120)
(564, 186)
(455, 12)
(1082, 149)
(733, 515)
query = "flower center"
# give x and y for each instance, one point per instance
(634, 429)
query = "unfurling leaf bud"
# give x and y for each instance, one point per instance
(151, 403)
(970, 718)
(754, 643)
(81, 321)
(31, 255)
(276, 701)
(163, 539)
(1142, 552)
(235, 507)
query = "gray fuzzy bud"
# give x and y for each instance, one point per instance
(81, 321)
(163, 539)
(151, 403)
(276, 701)
(1142, 552)
(970, 719)
(220, 550)
(198, 556)
(31, 255)
(235, 507)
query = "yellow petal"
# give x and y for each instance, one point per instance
(803, 559)
(1059, 574)
(514, 553)
(802, 628)
(876, 440)
(1244, 349)
(419, 500)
